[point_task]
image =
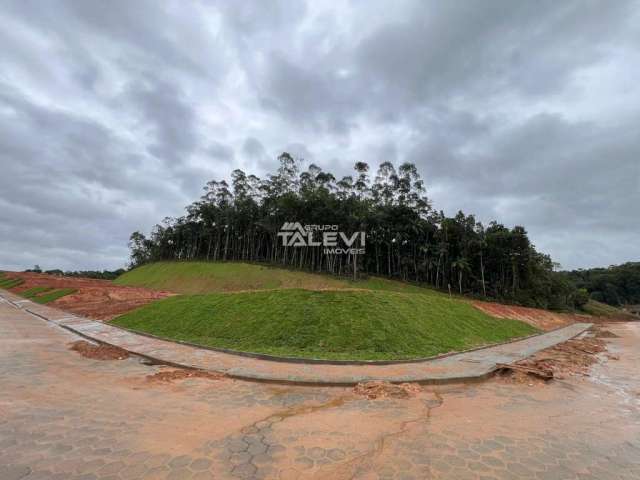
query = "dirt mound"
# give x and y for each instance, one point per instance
(571, 358)
(602, 333)
(542, 319)
(181, 374)
(99, 352)
(97, 299)
(380, 389)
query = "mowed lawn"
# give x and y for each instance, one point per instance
(379, 324)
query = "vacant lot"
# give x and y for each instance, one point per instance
(98, 299)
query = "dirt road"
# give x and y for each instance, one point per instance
(64, 416)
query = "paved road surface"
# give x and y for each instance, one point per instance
(63, 416)
(476, 364)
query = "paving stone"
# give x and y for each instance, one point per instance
(181, 461)
(14, 472)
(179, 474)
(200, 464)
(92, 421)
(336, 454)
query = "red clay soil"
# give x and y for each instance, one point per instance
(97, 299)
(99, 352)
(379, 389)
(169, 376)
(542, 319)
(571, 358)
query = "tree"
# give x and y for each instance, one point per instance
(406, 238)
(462, 265)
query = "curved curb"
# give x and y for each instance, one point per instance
(471, 366)
(320, 361)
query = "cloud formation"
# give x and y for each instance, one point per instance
(115, 115)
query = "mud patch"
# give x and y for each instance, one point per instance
(572, 358)
(181, 374)
(379, 389)
(602, 333)
(99, 352)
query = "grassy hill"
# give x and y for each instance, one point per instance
(210, 277)
(263, 309)
(324, 324)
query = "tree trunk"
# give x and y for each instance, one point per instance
(484, 288)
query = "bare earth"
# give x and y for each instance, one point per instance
(97, 299)
(65, 416)
(542, 319)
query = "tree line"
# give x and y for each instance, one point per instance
(406, 238)
(615, 285)
(98, 274)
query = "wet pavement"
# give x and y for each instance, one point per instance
(466, 366)
(63, 416)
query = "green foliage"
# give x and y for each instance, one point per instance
(406, 238)
(34, 291)
(615, 285)
(53, 295)
(598, 309)
(581, 298)
(99, 274)
(357, 325)
(9, 283)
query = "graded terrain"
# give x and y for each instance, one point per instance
(98, 299)
(268, 310)
(65, 416)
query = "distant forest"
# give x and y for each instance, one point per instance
(406, 238)
(98, 274)
(616, 285)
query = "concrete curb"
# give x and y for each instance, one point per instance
(470, 366)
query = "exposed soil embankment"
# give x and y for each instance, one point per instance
(97, 299)
(542, 319)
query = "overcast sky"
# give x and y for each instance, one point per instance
(114, 114)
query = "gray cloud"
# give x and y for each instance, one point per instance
(114, 115)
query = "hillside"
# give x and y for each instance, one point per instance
(94, 298)
(271, 310)
(210, 277)
(384, 223)
(329, 324)
(615, 285)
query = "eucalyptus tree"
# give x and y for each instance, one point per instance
(406, 238)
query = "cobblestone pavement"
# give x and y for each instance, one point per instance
(63, 416)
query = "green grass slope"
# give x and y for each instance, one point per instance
(598, 309)
(353, 325)
(8, 283)
(35, 294)
(212, 277)
(52, 295)
(208, 277)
